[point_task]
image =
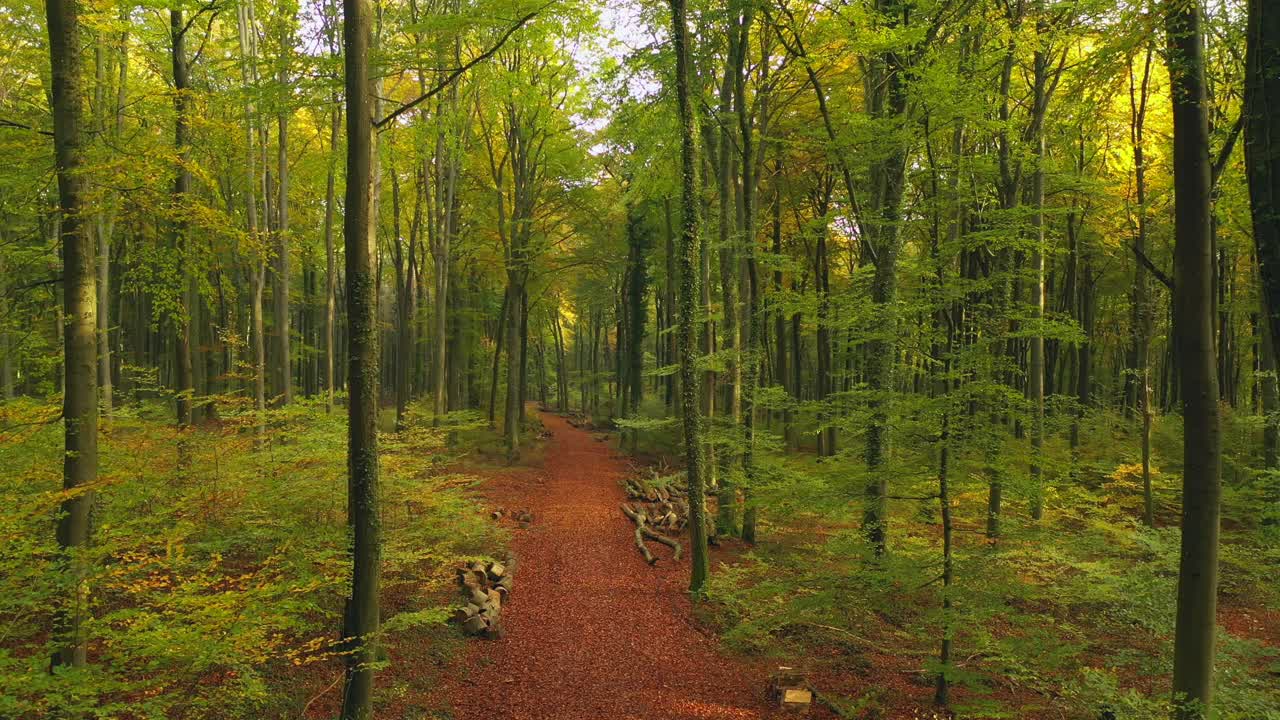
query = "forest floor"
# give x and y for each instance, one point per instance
(592, 631)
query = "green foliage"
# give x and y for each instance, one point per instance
(212, 588)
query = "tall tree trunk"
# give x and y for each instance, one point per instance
(1036, 370)
(361, 618)
(822, 371)
(280, 288)
(689, 236)
(79, 401)
(330, 259)
(182, 185)
(1193, 338)
(103, 222)
(889, 102)
(1262, 160)
(637, 299)
(248, 71)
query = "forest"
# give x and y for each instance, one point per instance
(639, 359)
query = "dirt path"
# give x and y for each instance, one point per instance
(592, 632)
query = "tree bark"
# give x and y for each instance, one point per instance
(689, 236)
(1194, 342)
(80, 401)
(280, 288)
(182, 185)
(361, 618)
(1262, 162)
(330, 259)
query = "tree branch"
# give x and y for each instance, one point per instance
(20, 126)
(1146, 262)
(1220, 163)
(458, 71)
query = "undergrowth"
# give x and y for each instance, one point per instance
(216, 586)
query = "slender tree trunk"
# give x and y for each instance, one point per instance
(104, 229)
(330, 259)
(248, 71)
(361, 618)
(498, 339)
(1036, 371)
(182, 186)
(511, 413)
(79, 401)
(280, 288)
(1193, 339)
(637, 299)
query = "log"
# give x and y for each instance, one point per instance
(644, 550)
(790, 689)
(496, 571)
(659, 537)
(475, 625)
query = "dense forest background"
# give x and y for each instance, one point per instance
(960, 314)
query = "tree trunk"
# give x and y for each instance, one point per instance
(1262, 160)
(888, 101)
(689, 236)
(361, 617)
(182, 185)
(280, 288)
(79, 401)
(498, 338)
(1193, 339)
(511, 414)
(330, 259)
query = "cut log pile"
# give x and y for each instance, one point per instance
(485, 587)
(790, 689)
(661, 501)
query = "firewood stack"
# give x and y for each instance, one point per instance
(659, 502)
(485, 587)
(790, 689)
(662, 503)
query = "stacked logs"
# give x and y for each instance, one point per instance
(644, 530)
(661, 500)
(485, 587)
(789, 688)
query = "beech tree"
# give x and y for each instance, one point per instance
(80, 348)
(1194, 342)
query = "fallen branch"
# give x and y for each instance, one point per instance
(656, 536)
(644, 549)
